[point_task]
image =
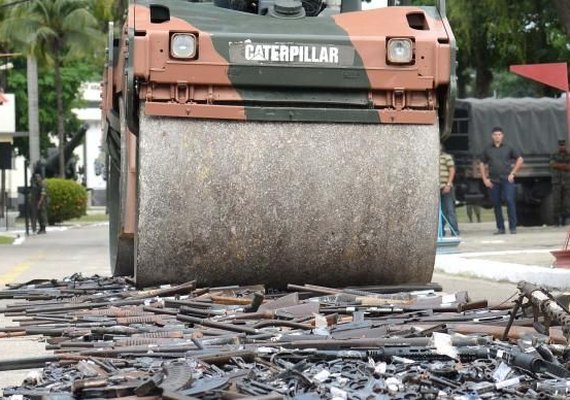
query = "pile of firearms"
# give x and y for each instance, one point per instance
(106, 339)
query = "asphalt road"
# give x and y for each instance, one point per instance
(63, 252)
(84, 249)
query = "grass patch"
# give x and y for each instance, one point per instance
(487, 215)
(86, 219)
(90, 218)
(6, 239)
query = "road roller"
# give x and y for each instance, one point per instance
(276, 141)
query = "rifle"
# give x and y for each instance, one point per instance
(514, 357)
(498, 331)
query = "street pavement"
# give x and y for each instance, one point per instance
(486, 266)
(480, 254)
(60, 253)
(508, 258)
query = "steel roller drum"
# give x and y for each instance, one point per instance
(232, 202)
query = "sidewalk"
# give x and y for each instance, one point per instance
(8, 222)
(17, 227)
(507, 258)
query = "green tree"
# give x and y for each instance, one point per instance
(108, 10)
(480, 29)
(73, 74)
(563, 10)
(54, 31)
(119, 9)
(492, 35)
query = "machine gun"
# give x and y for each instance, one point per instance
(542, 303)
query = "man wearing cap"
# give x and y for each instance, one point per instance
(560, 167)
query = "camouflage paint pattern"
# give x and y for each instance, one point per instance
(221, 82)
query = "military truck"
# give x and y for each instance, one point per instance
(533, 126)
(276, 141)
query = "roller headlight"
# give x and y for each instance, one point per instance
(183, 45)
(400, 51)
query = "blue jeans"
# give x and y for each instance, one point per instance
(504, 191)
(448, 213)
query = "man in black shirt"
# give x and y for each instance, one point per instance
(502, 163)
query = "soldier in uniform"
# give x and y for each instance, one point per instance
(560, 167)
(39, 203)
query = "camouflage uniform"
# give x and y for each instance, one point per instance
(39, 203)
(560, 187)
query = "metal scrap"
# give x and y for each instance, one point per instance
(112, 340)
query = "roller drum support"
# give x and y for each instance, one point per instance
(121, 244)
(232, 202)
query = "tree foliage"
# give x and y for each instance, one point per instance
(53, 31)
(563, 10)
(72, 77)
(491, 35)
(66, 200)
(68, 39)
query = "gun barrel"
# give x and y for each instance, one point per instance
(546, 304)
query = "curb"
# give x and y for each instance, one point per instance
(461, 264)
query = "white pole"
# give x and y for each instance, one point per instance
(33, 111)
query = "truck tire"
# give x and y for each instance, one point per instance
(527, 215)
